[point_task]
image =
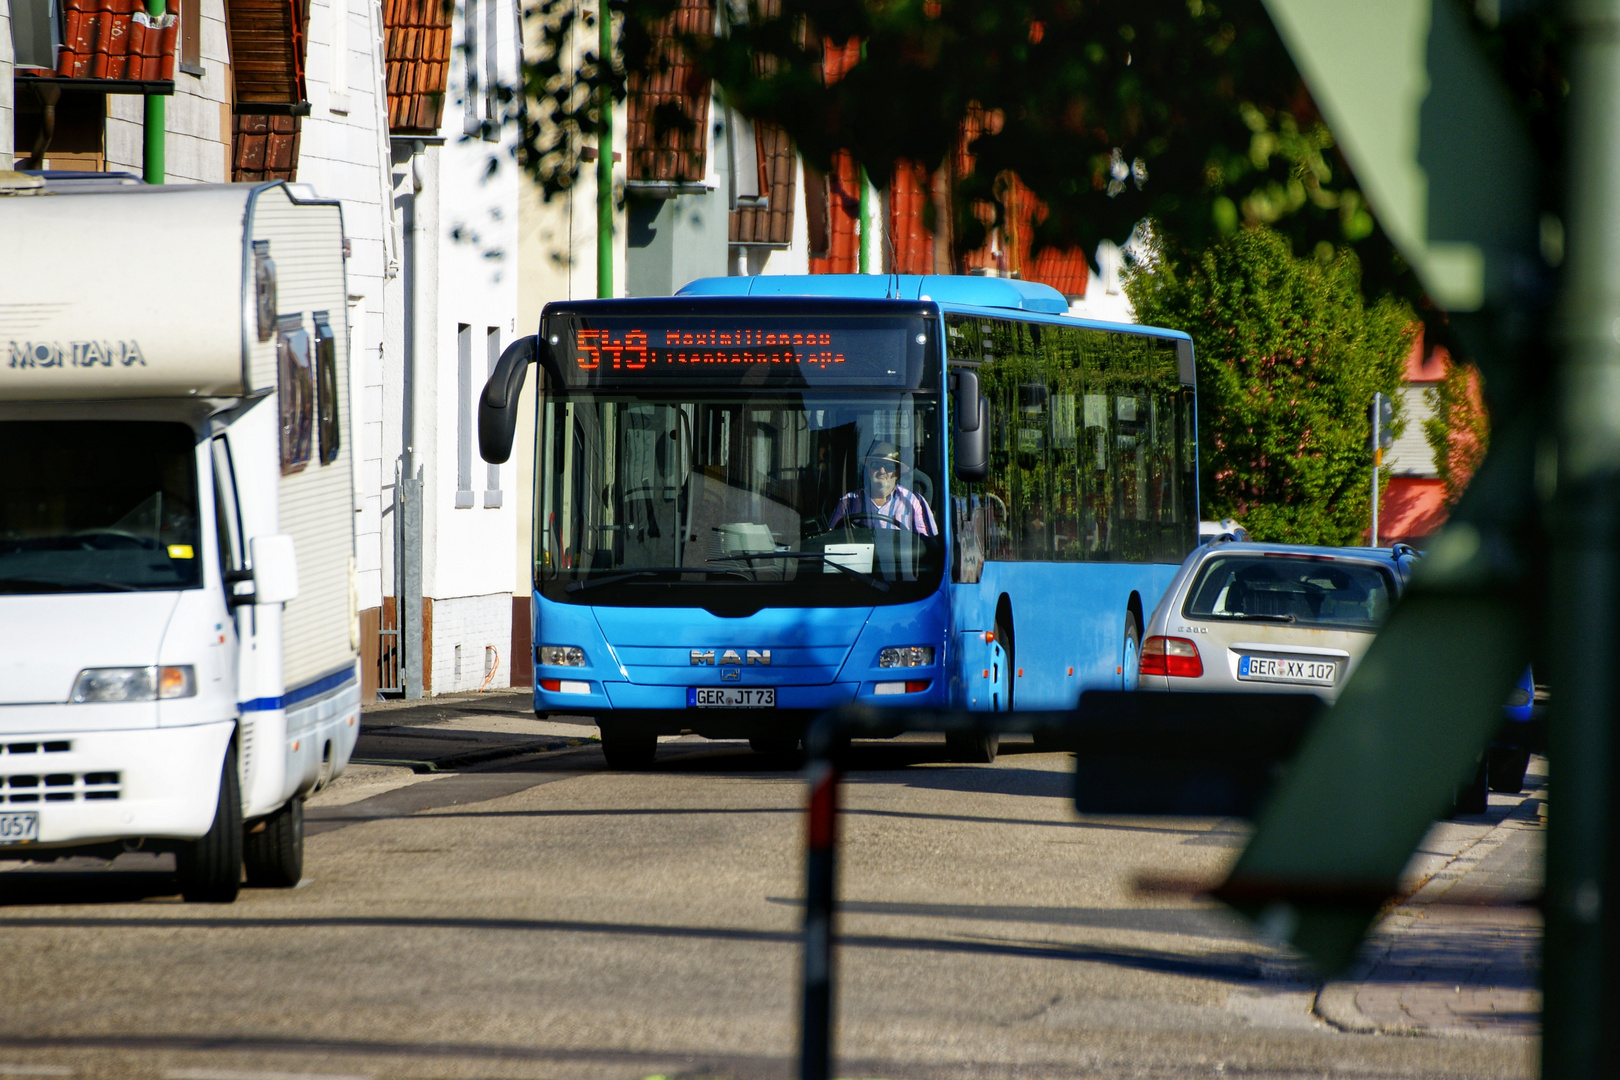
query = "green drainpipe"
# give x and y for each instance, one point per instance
(157, 118)
(604, 165)
(863, 252)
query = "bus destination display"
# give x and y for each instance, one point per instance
(785, 352)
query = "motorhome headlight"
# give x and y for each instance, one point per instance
(562, 655)
(134, 684)
(906, 656)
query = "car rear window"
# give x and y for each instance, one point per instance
(1332, 593)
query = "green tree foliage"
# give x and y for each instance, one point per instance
(1111, 111)
(1459, 431)
(1289, 356)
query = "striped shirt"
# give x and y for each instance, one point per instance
(903, 508)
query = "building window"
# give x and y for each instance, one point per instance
(464, 354)
(190, 36)
(338, 100)
(481, 69)
(492, 481)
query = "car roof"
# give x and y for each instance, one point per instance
(1362, 554)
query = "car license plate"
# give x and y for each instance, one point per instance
(1287, 669)
(730, 697)
(21, 827)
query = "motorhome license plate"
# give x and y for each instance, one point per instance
(730, 697)
(20, 827)
(1287, 669)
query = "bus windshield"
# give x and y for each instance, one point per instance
(98, 506)
(728, 499)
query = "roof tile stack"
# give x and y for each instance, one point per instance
(265, 147)
(418, 63)
(771, 223)
(116, 39)
(667, 131)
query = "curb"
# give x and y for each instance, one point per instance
(1336, 1001)
(478, 757)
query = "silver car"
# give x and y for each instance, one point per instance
(1270, 617)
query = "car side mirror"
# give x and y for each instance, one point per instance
(275, 570)
(971, 440)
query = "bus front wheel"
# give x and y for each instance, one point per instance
(627, 748)
(977, 747)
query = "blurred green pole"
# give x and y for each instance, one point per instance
(604, 159)
(864, 255)
(155, 122)
(1583, 617)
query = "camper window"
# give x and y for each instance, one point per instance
(326, 389)
(295, 384)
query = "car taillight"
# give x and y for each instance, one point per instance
(1171, 656)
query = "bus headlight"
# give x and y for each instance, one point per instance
(561, 655)
(134, 684)
(906, 656)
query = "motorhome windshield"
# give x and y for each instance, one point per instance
(98, 506)
(740, 499)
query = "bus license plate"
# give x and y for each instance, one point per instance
(730, 697)
(20, 827)
(1287, 669)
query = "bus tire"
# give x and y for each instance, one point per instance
(274, 854)
(775, 745)
(972, 747)
(627, 748)
(1506, 766)
(979, 748)
(210, 867)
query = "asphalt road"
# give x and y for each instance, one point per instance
(538, 916)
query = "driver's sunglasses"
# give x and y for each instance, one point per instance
(876, 467)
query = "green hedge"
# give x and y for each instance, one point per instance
(1289, 356)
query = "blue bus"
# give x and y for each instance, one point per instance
(764, 497)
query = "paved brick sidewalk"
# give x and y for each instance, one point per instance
(1462, 955)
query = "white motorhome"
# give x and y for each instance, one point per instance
(178, 633)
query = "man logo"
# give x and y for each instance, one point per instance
(762, 657)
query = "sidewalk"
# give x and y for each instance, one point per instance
(1462, 955)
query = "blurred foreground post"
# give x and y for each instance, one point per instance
(1580, 973)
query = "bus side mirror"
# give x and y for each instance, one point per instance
(972, 435)
(498, 405)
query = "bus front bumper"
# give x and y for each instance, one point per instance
(590, 697)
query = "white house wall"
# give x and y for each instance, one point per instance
(8, 121)
(198, 115)
(343, 156)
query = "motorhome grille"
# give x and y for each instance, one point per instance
(55, 747)
(59, 787)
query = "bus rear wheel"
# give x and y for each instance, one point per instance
(627, 748)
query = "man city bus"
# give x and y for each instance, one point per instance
(765, 497)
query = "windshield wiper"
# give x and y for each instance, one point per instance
(876, 582)
(70, 584)
(630, 575)
(1245, 615)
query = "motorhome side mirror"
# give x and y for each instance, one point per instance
(498, 405)
(275, 569)
(971, 441)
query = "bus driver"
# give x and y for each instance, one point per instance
(884, 502)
